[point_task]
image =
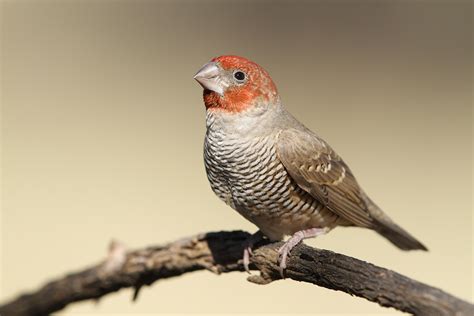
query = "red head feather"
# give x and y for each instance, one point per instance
(258, 88)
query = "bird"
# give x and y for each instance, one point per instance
(273, 170)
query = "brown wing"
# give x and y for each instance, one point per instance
(317, 169)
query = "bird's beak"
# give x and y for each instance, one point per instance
(209, 78)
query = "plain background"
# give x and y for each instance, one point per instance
(103, 126)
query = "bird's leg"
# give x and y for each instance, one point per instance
(294, 240)
(248, 245)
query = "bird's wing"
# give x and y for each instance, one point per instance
(318, 170)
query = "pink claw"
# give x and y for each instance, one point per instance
(249, 243)
(246, 259)
(294, 240)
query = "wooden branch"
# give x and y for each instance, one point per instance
(221, 252)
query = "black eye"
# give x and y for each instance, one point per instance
(239, 76)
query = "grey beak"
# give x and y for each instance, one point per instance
(209, 78)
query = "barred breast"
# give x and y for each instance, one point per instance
(246, 173)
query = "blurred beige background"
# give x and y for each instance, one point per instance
(103, 126)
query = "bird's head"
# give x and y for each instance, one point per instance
(235, 84)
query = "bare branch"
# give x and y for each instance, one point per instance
(220, 252)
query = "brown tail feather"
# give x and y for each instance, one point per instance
(394, 233)
(399, 237)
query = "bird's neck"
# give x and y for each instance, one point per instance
(253, 121)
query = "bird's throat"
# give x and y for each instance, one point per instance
(231, 101)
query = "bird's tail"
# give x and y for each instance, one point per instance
(394, 233)
(400, 237)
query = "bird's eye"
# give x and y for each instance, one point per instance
(239, 76)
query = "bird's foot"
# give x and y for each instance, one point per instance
(294, 240)
(248, 245)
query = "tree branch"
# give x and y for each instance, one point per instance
(220, 252)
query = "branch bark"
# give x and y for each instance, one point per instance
(221, 252)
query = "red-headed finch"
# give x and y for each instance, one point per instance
(273, 170)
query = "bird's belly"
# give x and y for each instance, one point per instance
(255, 183)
